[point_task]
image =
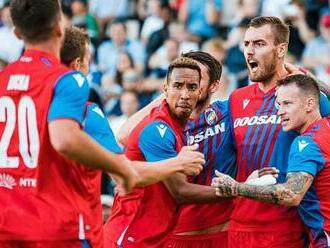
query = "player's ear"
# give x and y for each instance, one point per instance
(165, 87)
(311, 104)
(214, 86)
(17, 33)
(75, 64)
(281, 50)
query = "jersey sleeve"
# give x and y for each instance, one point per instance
(97, 126)
(157, 142)
(70, 96)
(324, 105)
(305, 156)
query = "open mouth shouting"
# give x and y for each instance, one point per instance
(253, 65)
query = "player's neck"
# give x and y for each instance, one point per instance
(50, 46)
(269, 84)
(200, 108)
(314, 116)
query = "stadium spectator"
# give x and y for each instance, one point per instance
(11, 47)
(118, 43)
(315, 51)
(129, 105)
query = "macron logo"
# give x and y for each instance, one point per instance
(80, 79)
(162, 129)
(302, 144)
(98, 111)
(245, 103)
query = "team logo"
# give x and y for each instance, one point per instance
(245, 103)
(302, 144)
(161, 129)
(210, 116)
(7, 181)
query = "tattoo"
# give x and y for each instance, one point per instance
(289, 193)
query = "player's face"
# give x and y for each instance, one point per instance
(260, 53)
(292, 107)
(205, 85)
(182, 92)
(84, 64)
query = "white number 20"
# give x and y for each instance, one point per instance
(28, 136)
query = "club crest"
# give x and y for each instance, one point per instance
(210, 116)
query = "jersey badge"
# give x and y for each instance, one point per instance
(210, 116)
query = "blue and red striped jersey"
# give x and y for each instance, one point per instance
(211, 131)
(310, 152)
(261, 142)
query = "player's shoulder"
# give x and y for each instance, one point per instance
(72, 79)
(157, 130)
(242, 92)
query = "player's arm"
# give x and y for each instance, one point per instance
(187, 161)
(157, 142)
(289, 193)
(64, 120)
(126, 129)
(305, 161)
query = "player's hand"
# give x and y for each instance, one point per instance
(128, 180)
(191, 160)
(225, 186)
(294, 70)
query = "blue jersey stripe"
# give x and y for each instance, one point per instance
(247, 138)
(258, 135)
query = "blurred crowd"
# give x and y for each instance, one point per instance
(133, 41)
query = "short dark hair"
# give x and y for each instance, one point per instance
(214, 67)
(280, 29)
(74, 45)
(183, 62)
(306, 84)
(35, 19)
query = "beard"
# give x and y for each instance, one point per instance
(204, 99)
(267, 72)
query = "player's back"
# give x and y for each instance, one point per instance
(40, 191)
(211, 131)
(260, 142)
(314, 209)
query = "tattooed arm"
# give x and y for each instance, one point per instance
(289, 193)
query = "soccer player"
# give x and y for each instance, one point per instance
(75, 54)
(307, 182)
(259, 140)
(146, 217)
(205, 225)
(41, 108)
